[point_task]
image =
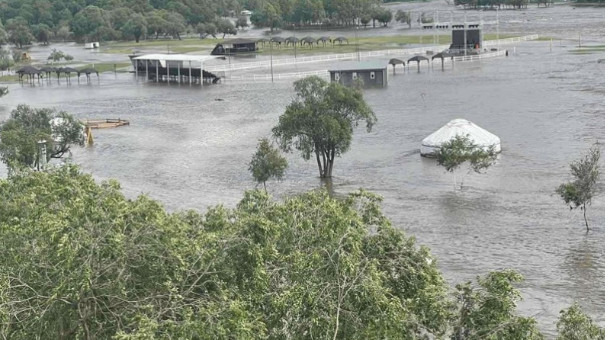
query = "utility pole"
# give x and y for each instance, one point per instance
(271, 45)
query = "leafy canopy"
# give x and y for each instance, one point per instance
(321, 121)
(573, 324)
(267, 163)
(461, 149)
(20, 134)
(580, 191)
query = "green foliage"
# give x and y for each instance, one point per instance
(19, 33)
(3, 91)
(579, 192)
(20, 134)
(242, 23)
(79, 260)
(225, 26)
(267, 163)
(6, 60)
(487, 312)
(492, 3)
(57, 56)
(461, 149)
(135, 27)
(321, 121)
(573, 324)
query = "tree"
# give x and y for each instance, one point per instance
(225, 26)
(42, 33)
(6, 60)
(461, 149)
(206, 29)
(91, 23)
(56, 55)
(3, 35)
(267, 163)
(135, 27)
(321, 121)
(579, 192)
(63, 33)
(242, 22)
(174, 24)
(19, 32)
(384, 16)
(403, 17)
(487, 312)
(20, 134)
(365, 20)
(3, 91)
(573, 324)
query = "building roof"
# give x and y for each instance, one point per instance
(162, 58)
(459, 127)
(359, 66)
(239, 41)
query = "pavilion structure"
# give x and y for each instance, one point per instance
(179, 68)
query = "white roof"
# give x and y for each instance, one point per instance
(162, 58)
(459, 127)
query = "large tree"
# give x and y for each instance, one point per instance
(135, 27)
(321, 120)
(19, 32)
(26, 127)
(579, 192)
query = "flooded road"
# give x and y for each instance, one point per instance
(189, 147)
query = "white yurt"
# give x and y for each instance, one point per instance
(459, 127)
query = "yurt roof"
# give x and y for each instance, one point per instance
(461, 127)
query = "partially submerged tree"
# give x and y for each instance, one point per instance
(461, 149)
(573, 324)
(267, 163)
(579, 192)
(22, 132)
(225, 26)
(3, 91)
(321, 120)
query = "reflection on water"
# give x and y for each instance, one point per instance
(189, 150)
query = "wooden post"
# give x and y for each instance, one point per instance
(190, 79)
(146, 61)
(201, 73)
(157, 69)
(167, 68)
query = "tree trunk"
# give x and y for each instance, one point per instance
(319, 163)
(265, 186)
(584, 209)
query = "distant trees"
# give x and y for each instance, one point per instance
(403, 17)
(474, 4)
(135, 27)
(26, 127)
(267, 163)
(580, 191)
(321, 120)
(225, 26)
(206, 29)
(19, 32)
(461, 149)
(6, 60)
(242, 22)
(57, 56)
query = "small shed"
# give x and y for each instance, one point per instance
(234, 46)
(371, 73)
(459, 127)
(92, 45)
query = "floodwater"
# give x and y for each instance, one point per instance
(189, 147)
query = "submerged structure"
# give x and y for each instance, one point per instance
(235, 46)
(371, 73)
(459, 127)
(180, 68)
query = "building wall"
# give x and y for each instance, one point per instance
(370, 78)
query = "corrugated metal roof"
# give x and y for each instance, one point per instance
(359, 65)
(162, 58)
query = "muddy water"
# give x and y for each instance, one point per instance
(189, 147)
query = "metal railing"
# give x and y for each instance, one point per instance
(507, 41)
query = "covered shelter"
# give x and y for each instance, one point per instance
(466, 39)
(87, 72)
(28, 71)
(291, 40)
(187, 68)
(47, 70)
(308, 40)
(67, 71)
(418, 59)
(262, 41)
(324, 40)
(394, 62)
(277, 40)
(372, 73)
(459, 127)
(234, 46)
(340, 40)
(442, 56)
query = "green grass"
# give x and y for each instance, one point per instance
(545, 39)
(589, 49)
(174, 45)
(9, 78)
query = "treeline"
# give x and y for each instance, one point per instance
(91, 20)
(295, 13)
(514, 4)
(26, 21)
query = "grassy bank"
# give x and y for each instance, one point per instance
(589, 49)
